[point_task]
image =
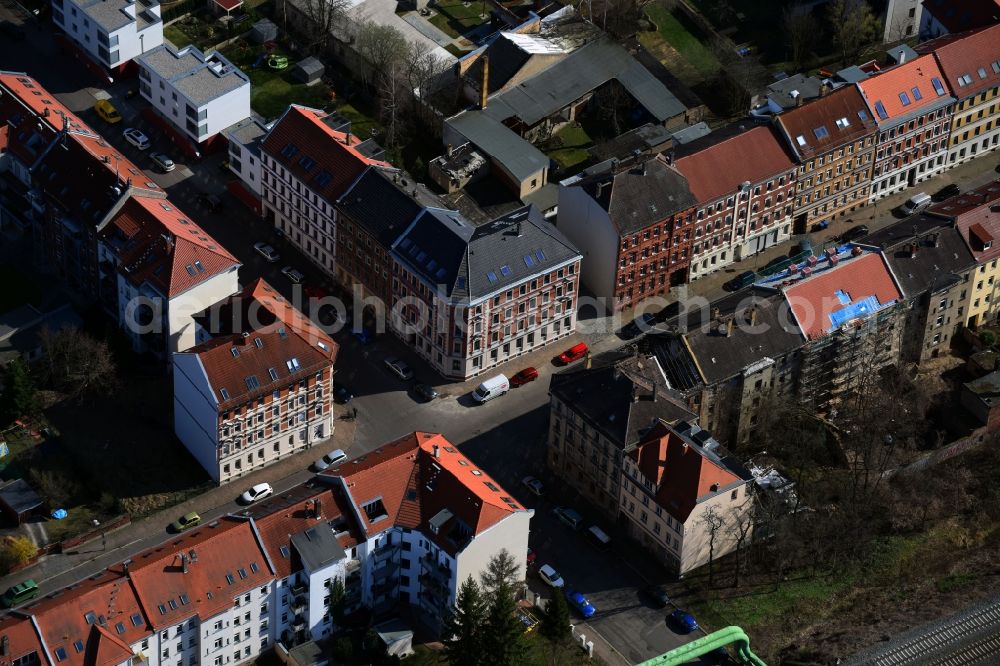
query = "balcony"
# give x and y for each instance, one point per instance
(300, 588)
(352, 566)
(299, 603)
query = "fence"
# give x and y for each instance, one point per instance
(80, 539)
(956, 448)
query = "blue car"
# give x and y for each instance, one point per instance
(683, 622)
(580, 603)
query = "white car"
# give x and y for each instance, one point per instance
(266, 251)
(399, 368)
(258, 492)
(532, 484)
(292, 274)
(551, 576)
(136, 138)
(329, 460)
(162, 161)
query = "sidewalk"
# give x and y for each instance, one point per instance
(54, 572)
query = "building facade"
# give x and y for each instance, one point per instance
(111, 32)
(469, 298)
(308, 159)
(258, 389)
(833, 140)
(200, 95)
(629, 222)
(912, 108)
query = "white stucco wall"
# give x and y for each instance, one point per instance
(589, 228)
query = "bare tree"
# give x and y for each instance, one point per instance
(739, 76)
(854, 26)
(76, 363)
(380, 46)
(319, 20)
(800, 28)
(739, 527)
(713, 522)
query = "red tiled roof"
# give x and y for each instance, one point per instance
(229, 5)
(223, 550)
(719, 169)
(303, 129)
(815, 298)
(162, 246)
(97, 616)
(22, 641)
(283, 334)
(680, 473)
(957, 15)
(419, 476)
(974, 215)
(968, 54)
(887, 86)
(840, 117)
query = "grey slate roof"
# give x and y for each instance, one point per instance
(20, 328)
(582, 71)
(318, 546)
(381, 206)
(469, 262)
(852, 74)
(603, 394)
(941, 253)
(501, 144)
(780, 92)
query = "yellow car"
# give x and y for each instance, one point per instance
(107, 111)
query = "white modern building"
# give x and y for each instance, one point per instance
(112, 32)
(199, 94)
(244, 152)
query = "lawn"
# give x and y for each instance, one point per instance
(672, 29)
(457, 18)
(18, 288)
(271, 92)
(202, 30)
(573, 143)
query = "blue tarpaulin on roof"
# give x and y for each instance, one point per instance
(861, 308)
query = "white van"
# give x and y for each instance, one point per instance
(916, 203)
(598, 536)
(491, 388)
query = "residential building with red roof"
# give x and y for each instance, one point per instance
(671, 482)
(24, 644)
(940, 17)
(308, 160)
(833, 140)
(743, 182)
(970, 62)
(912, 107)
(257, 386)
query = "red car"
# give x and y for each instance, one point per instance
(574, 353)
(523, 377)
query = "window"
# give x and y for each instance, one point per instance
(880, 110)
(904, 98)
(916, 94)
(938, 86)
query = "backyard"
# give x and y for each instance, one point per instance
(679, 45)
(569, 147)
(272, 91)
(201, 29)
(456, 18)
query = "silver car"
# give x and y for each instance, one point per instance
(329, 460)
(266, 251)
(162, 161)
(136, 138)
(399, 368)
(292, 274)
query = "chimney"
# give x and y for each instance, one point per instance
(902, 56)
(729, 328)
(184, 562)
(824, 88)
(936, 239)
(913, 250)
(317, 509)
(449, 150)
(715, 313)
(635, 392)
(437, 451)
(752, 315)
(484, 91)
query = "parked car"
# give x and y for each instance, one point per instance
(187, 521)
(268, 252)
(640, 324)
(329, 460)
(292, 274)
(946, 192)
(683, 621)
(162, 161)
(918, 202)
(574, 353)
(657, 595)
(12, 31)
(107, 111)
(854, 233)
(258, 492)
(425, 392)
(569, 516)
(547, 573)
(580, 603)
(210, 201)
(744, 279)
(341, 393)
(20, 593)
(494, 387)
(399, 368)
(524, 376)
(136, 138)
(531, 557)
(532, 484)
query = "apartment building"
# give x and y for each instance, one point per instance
(401, 528)
(257, 389)
(975, 217)
(628, 220)
(743, 183)
(199, 95)
(244, 140)
(912, 108)
(309, 158)
(940, 17)
(469, 298)
(111, 32)
(599, 415)
(672, 483)
(375, 210)
(833, 140)
(970, 63)
(156, 268)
